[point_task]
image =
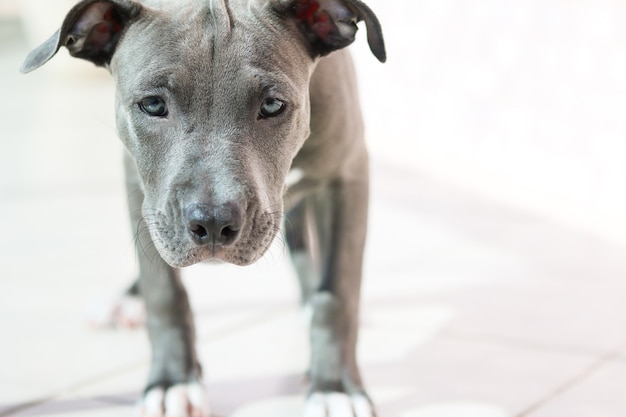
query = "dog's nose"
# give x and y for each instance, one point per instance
(211, 225)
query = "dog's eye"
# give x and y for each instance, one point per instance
(154, 106)
(271, 107)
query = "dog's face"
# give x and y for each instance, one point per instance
(212, 104)
(213, 126)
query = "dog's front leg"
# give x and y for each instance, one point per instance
(174, 384)
(340, 213)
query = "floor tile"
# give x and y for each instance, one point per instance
(445, 373)
(455, 410)
(80, 408)
(506, 274)
(600, 394)
(555, 322)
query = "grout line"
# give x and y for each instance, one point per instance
(512, 342)
(71, 388)
(210, 336)
(571, 383)
(25, 406)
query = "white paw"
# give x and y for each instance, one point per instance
(126, 311)
(188, 400)
(338, 405)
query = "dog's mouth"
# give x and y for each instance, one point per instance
(181, 244)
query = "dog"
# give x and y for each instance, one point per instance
(236, 114)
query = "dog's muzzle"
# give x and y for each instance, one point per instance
(214, 226)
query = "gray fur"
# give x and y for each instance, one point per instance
(213, 63)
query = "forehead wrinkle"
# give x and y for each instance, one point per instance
(162, 58)
(161, 79)
(220, 11)
(270, 81)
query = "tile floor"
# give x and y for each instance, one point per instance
(471, 308)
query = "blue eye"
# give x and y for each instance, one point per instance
(153, 106)
(271, 107)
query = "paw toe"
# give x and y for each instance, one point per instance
(315, 406)
(184, 400)
(176, 403)
(338, 405)
(126, 311)
(153, 403)
(362, 406)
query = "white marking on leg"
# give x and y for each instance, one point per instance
(176, 403)
(362, 406)
(131, 312)
(315, 406)
(199, 400)
(339, 405)
(153, 403)
(126, 311)
(307, 314)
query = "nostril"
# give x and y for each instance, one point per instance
(229, 233)
(198, 230)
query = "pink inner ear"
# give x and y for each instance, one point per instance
(305, 9)
(323, 25)
(92, 16)
(115, 25)
(102, 33)
(98, 23)
(318, 21)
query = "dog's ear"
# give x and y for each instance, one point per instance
(91, 31)
(329, 25)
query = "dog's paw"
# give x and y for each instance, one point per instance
(338, 405)
(126, 311)
(189, 400)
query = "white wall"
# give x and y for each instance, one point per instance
(524, 101)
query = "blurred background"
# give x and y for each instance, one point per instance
(522, 101)
(495, 271)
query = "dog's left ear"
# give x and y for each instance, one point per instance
(91, 31)
(329, 25)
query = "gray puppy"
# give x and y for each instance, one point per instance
(234, 112)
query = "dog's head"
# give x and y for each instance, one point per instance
(212, 103)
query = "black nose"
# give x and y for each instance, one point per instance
(213, 225)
